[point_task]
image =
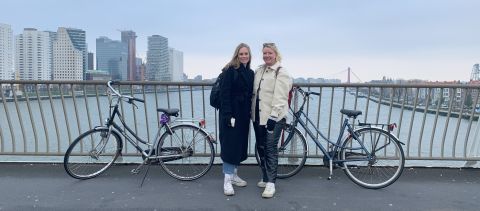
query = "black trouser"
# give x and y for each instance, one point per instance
(267, 149)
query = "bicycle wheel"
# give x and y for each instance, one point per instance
(292, 152)
(384, 165)
(186, 153)
(92, 153)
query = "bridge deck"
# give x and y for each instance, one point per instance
(48, 187)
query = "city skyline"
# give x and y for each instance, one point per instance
(62, 55)
(427, 40)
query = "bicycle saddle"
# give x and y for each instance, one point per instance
(170, 112)
(351, 113)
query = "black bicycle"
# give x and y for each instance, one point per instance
(182, 146)
(370, 154)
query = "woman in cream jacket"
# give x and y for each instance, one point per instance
(269, 110)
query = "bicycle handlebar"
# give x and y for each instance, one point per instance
(306, 93)
(130, 98)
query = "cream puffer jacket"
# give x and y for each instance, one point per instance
(272, 88)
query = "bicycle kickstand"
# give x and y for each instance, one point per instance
(145, 175)
(331, 169)
(137, 170)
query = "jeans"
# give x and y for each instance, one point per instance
(267, 147)
(229, 168)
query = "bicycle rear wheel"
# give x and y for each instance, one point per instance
(186, 153)
(292, 152)
(92, 153)
(381, 166)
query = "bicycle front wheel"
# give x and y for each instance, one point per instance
(376, 160)
(186, 153)
(92, 153)
(292, 152)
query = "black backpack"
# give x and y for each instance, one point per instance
(215, 93)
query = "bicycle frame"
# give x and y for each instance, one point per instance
(164, 124)
(359, 150)
(111, 124)
(336, 145)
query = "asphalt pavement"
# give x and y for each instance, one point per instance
(47, 187)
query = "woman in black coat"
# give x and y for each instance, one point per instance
(236, 90)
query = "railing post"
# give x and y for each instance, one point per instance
(475, 148)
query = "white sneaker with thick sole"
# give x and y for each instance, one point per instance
(227, 185)
(237, 181)
(261, 184)
(269, 190)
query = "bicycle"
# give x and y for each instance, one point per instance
(370, 155)
(182, 147)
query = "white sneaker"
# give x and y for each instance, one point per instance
(237, 181)
(269, 190)
(227, 185)
(261, 184)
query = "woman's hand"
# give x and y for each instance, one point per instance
(270, 125)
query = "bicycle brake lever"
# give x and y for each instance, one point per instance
(131, 102)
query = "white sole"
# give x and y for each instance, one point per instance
(239, 184)
(267, 196)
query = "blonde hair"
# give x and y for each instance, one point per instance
(272, 46)
(235, 62)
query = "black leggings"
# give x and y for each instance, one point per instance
(267, 149)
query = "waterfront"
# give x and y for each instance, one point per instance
(426, 135)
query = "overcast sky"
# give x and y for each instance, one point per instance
(407, 39)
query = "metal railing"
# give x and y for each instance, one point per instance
(436, 122)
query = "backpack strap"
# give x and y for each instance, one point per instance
(278, 70)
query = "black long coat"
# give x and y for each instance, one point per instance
(235, 102)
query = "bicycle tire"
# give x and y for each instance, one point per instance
(82, 160)
(292, 156)
(387, 162)
(195, 157)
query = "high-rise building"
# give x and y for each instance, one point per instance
(69, 54)
(112, 57)
(53, 37)
(129, 38)
(90, 61)
(157, 59)
(78, 38)
(33, 55)
(6, 52)
(175, 64)
(140, 74)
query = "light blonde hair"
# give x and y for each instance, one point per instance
(235, 62)
(272, 46)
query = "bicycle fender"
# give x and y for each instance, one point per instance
(115, 133)
(210, 136)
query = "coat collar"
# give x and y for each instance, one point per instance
(273, 67)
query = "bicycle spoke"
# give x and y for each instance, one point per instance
(91, 154)
(378, 169)
(192, 161)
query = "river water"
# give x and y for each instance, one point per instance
(74, 117)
